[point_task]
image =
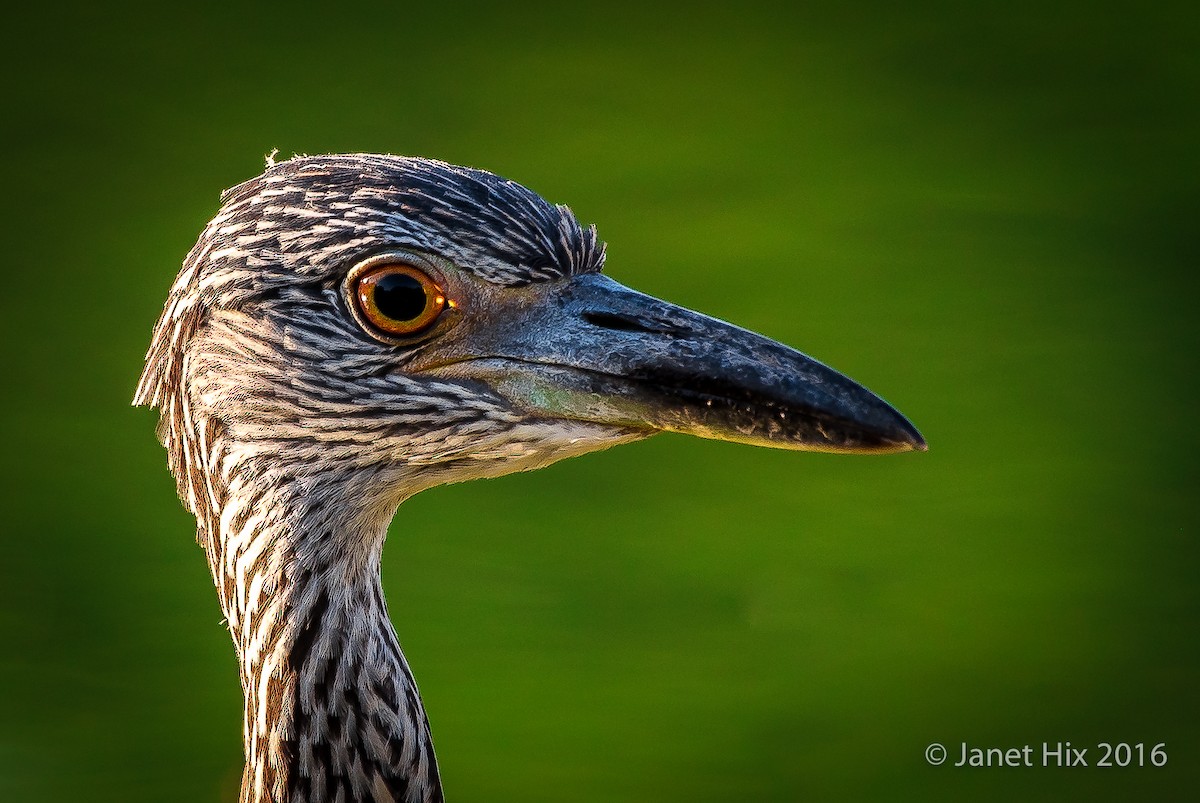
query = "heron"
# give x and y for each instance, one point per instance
(352, 329)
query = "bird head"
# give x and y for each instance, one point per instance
(401, 322)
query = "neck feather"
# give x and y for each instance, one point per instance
(331, 708)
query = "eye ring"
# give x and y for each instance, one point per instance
(396, 296)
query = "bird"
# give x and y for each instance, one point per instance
(351, 329)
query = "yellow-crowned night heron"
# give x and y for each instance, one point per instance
(350, 330)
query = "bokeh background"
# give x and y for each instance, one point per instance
(988, 215)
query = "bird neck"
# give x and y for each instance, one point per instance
(331, 709)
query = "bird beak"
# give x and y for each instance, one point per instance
(590, 349)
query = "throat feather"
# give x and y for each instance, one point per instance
(331, 709)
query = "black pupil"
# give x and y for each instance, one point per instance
(400, 297)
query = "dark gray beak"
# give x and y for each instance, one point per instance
(591, 349)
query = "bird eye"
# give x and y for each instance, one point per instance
(397, 299)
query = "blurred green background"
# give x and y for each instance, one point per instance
(988, 215)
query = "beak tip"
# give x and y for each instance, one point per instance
(893, 432)
(909, 439)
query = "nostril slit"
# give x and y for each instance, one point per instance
(620, 323)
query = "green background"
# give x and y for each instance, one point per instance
(989, 216)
